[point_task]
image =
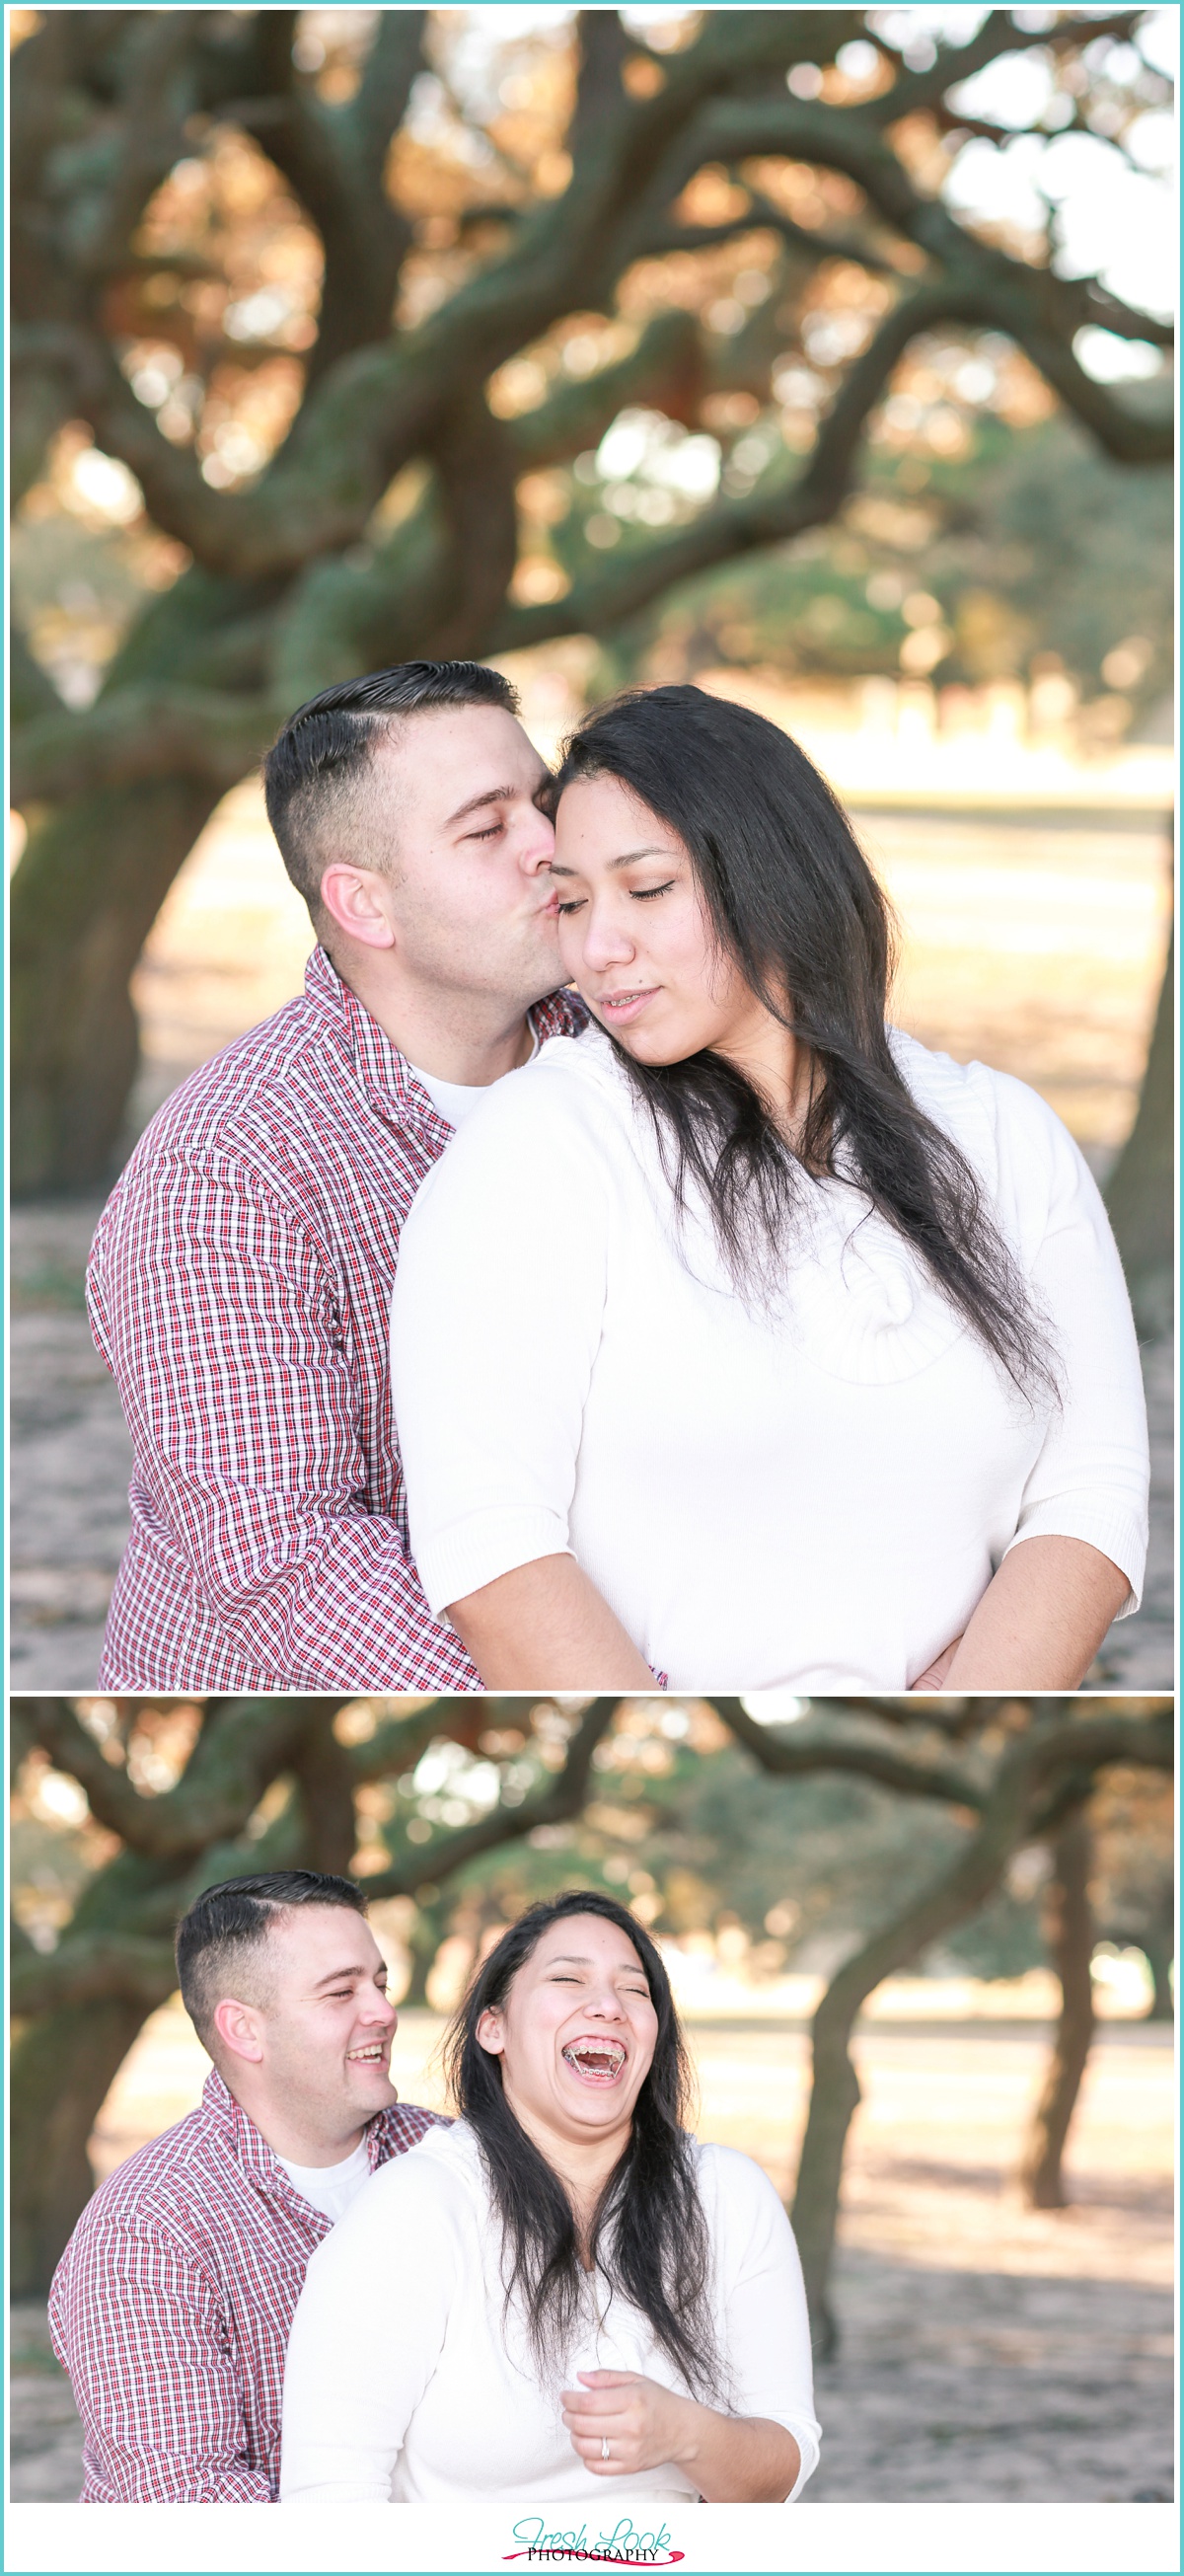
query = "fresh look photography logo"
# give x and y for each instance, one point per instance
(624, 2546)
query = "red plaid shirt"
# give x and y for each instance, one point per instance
(239, 1291)
(172, 2306)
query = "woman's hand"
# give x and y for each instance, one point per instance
(643, 2423)
(933, 1677)
(731, 2459)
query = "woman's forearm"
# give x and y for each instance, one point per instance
(546, 1627)
(741, 2459)
(1041, 1619)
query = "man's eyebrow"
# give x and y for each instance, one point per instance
(488, 796)
(336, 1976)
(626, 860)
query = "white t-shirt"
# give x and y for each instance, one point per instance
(331, 2187)
(406, 2382)
(815, 1498)
(454, 1101)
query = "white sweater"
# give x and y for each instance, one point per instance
(405, 2384)
(815, 1499)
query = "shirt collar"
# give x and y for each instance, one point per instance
(249, 2147)
(387, 1074)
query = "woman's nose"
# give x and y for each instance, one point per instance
(607, 2006)
(607, 939)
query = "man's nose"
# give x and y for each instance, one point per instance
(380, 2009)
(539, 847)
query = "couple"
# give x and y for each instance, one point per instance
(736, 1339)
(559, 2288)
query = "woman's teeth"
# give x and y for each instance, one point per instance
(595, 2061)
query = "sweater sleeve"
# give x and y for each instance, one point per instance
(766, 2327)
(495, 1322)
(1091, 1478)
(367, 2335)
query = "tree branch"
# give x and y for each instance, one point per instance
(93, 1971)
(997, 36)
(732, 529)
(228, 1770)
(794, 1752)
(666, 369)
(561, 1799)
(145, 731)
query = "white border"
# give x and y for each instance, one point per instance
(996, 2539)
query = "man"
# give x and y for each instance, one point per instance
(240, 1279)
(173, 2302)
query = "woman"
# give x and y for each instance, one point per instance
(563, 2288)
(743, 1340)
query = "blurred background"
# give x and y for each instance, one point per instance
(994, 2320)
(820, 358)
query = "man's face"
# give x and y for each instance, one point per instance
(326, 2027)
(468, 896)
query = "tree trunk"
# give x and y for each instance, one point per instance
(50, 2123)
(1158, 1949)
(84, 899)
(834, 2095)
(1071, 1940)
(1139, 1195)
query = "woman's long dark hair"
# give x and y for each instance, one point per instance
(792, 900)
(648, 2237)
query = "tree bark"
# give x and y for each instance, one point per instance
(51, 2121)
(1071, 1940)
(1139, 1196)
(84, 899)
(1158, 1949)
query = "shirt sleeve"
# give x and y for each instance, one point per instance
(495, 1322)
(765, 2324)
(366, 2337)
(1091, 1478)
(142, 2333)
(218, 1316)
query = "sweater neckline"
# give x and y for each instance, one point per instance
(860, 1304)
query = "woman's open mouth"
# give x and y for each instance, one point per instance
(620, 1007)
(595, 2061)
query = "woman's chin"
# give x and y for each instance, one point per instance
(647, 1046)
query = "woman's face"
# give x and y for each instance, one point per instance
(634, 934)
(577, 2030)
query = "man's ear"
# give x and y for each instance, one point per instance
(240, 2029)
(355, 899)
(490, 2034)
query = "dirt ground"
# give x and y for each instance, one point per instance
(1034, 942)
(988, 2353)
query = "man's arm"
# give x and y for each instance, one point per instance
(140, 2329)
(218, 1317)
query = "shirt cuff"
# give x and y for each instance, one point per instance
(477, 1550)
(1111, 1527)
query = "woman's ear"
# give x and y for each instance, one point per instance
(490, 2034)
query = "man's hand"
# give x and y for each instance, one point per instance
(644, 2424)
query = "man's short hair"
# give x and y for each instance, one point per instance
(222, 1940)
(315, 768)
